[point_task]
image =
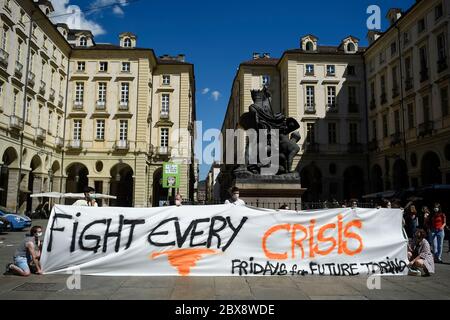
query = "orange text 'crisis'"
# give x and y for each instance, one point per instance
(313, 238)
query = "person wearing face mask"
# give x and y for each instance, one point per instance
(178, 200)
(88, 200)
(27, 254)
(235, 198)
(438, 224)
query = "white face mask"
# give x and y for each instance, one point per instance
(436, 209)
(177, 203)
(39, 234)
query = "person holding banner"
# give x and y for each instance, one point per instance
(235, 198)
(178, 200)
(27, 255)
(88, 200)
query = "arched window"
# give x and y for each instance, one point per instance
(309, 46)
(83, 42)
(127, 43)
(351, 47)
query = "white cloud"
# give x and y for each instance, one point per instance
(215, 95)
(75, 18)
(117, 10)
(205, 91)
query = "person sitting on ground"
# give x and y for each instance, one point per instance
(27, 254)
(235, 198)
(420, 255)
(88, 200)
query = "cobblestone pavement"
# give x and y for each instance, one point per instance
(217, 288)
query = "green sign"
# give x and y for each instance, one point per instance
(171, 175)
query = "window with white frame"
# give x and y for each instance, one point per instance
(310, 69)
(164, 137)
(81, 66)
(58, 125)
(265, 80)
(405, 38)
(352, 96)
(103, 67)
(15, 101)
(126, 67)
(123, 130)
(77, 125)
(310, 98)
(28, 110)
(100, 130)
(79, 92)
(310, 133)
(332, 135)
(2, 86)
(50, 120)
(43, 69)
(353, 133)
(410, 111)
(331, 70)
(127, 43)
(421, 25)
(438, 11)
(124, 92)
(41, 107)
(22, 16)
(331, 96)
(445, 106)
(165, 103)
(441, 47)
(83, 42)
(166, 79)
(374, 130)
(4, 40)
(19, 50)
(385, 126)
(102, 92)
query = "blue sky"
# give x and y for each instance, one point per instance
(217, 35)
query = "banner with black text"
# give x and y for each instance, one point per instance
(223, 240)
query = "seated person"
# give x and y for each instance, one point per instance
(420, 256)
(27, 254)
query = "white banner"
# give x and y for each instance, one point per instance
(223, 240)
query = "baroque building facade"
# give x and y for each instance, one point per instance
(102, 115)
(371, 119)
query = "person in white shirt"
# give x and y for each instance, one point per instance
(88, 200)
(235, 198)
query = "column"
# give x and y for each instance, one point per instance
(37, 188)
(11, 196)
(139, 183)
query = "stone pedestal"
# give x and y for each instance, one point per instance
(270, 191)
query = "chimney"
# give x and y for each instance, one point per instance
(266, 55)
(181, 57)
(255, 55)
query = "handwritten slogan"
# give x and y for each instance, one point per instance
(224, 240)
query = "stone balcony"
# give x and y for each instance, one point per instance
(15, 123)
(4, 57)
(122, 145)
(41, 134)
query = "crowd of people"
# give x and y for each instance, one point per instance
(426, 230)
